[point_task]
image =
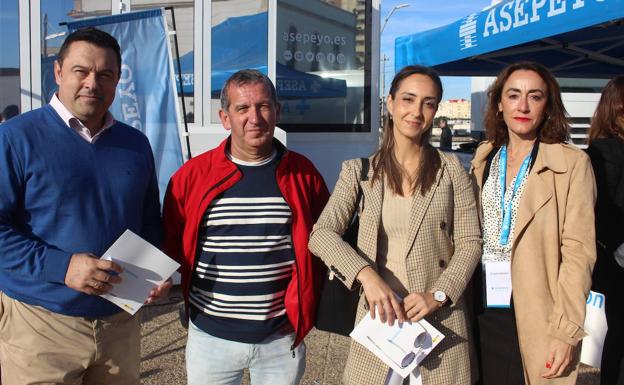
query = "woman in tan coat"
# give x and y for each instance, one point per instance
(419, 235)
(537, 196)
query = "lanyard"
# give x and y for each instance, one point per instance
(502, 175)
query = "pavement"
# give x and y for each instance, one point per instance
(164, 339)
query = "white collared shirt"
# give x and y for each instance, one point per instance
(75, 123)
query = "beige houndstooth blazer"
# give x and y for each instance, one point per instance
(445, 246)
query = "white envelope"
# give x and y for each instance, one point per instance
(144, 268)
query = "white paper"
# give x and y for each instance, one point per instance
(596, 329)
(144, 268)
(403, 347)
(498, 284)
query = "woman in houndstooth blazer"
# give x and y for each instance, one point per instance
(419, 235)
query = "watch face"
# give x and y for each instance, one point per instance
(439, 296)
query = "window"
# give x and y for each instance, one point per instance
(183, 11)
(322, 58)
(9, 59)
(239, 41)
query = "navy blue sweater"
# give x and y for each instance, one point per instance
(246, 259)
(61, 195)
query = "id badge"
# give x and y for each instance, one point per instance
(498, 284)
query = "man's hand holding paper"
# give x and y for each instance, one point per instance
(145, 272)
(91, 275)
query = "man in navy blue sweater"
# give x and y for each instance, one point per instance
(73, 180)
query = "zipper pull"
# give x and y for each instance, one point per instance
(292, 348)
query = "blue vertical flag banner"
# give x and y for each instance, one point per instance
(146, 94)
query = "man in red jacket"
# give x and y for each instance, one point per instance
(238, 218)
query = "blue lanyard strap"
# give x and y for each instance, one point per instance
(502, 175)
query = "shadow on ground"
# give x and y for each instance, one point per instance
(164, 340)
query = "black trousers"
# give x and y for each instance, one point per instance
(496, 340)
(499, 350)
(612, 366)
(608, 278)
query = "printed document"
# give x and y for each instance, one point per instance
(401, 347)
(145, 267)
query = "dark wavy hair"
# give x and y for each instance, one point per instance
(384, 160)
(554, 128)
(608, 120)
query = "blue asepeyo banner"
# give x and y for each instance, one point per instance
(146, 94)
(509, 23)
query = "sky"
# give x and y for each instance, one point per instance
(422, 15)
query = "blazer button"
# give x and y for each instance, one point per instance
(442, 263)
(332, 268)
(443, 225)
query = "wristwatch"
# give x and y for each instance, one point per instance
(440, 296)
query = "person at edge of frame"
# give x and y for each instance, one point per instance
(606, 151)
(73, 180)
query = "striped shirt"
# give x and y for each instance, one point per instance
(246, 258)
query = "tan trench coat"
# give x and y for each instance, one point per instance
(553, 253)
(445, 247)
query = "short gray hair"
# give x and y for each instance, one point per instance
(243, 77)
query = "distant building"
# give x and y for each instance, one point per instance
(454, 109)
(183, 14)
(360, 38)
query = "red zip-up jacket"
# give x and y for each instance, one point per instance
(203, 178)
